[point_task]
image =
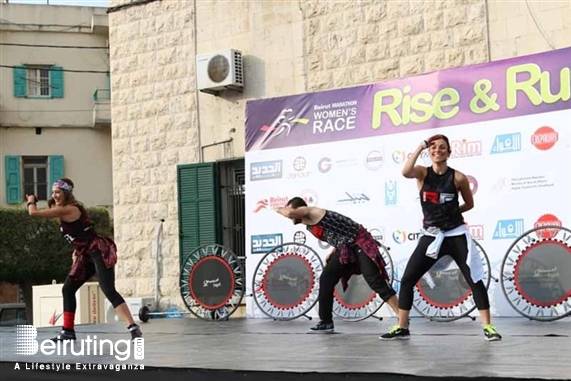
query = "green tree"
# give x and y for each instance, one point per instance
(33, 252)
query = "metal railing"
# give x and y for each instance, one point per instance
(233, 192)
(102, 94)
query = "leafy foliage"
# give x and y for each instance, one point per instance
(32, 249)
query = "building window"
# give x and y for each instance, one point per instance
(232, 181)
(36, 176)
(38, 81)
(211, 198)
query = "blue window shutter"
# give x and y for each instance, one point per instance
(56, 81)
(56, 169)
(20, 84)
(13, 184)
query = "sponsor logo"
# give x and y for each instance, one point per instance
(437, 198)
(374, 160)
(399, 157)
(509, 229)
(473, 184)
(400, 236)
(548, 220)
(266, 170)
(476, 231)
(523, 183)
(324, 165)
(390, 192)
(271, 203)
(465, 148)
(334, 117)
(299, 237)
(354, 198)
(310, 197)
(299, 165)
(503, 184)
(284, 123)
(263, 243)
(544, 138)
(378, 234)
(506, 143)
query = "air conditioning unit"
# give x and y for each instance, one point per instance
(219, 71)
(135, 304)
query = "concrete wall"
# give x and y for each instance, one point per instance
(86, 154)
(60, 25)
(67, 123)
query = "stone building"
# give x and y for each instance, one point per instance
(161, 120)
(55, 90)
(55, 118)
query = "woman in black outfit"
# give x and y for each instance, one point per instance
(93, 254)
(444, 233)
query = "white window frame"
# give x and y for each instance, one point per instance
(35, 167)
(38, 81)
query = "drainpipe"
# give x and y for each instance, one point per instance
(213, 144)
(197, 93)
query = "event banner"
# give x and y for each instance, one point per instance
(509, 126)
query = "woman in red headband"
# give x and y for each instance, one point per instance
(93, 254)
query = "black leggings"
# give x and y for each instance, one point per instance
(334, 271)
(419, 264)
(106, 282)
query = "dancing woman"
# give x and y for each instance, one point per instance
(444, 233)
(92, 254)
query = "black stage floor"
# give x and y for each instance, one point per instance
(263, 349)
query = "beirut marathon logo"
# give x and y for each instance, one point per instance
(283, 123)
(26, 344)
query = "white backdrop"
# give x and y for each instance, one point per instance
(516, 183)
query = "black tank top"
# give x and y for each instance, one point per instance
(439, 201)
(335, 229)
(78, 232)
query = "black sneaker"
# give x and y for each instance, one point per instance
(135, 331)
(396, 333)
(322, 327)
(491, 334)
(65, 334)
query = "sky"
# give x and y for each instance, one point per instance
(84, 3)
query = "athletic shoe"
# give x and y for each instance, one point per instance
(396, 333)
(322, 327)
(135, 331)
(491, 334)
(65, 334)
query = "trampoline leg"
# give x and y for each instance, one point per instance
(470, 317)
(307, 317)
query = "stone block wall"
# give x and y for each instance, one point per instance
(352, 43)
(160, 119)
(154, 108)
(519, 28)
